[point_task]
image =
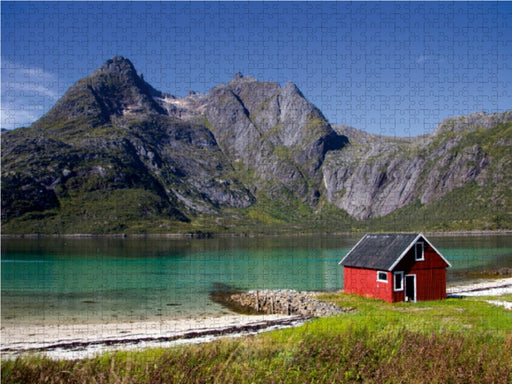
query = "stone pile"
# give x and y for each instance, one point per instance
(286, 302)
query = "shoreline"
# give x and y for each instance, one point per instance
(481, 287)
(208, 235)
(78, 341)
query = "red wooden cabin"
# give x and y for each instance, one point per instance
(395, 267)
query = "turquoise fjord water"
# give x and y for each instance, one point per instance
(48, 281)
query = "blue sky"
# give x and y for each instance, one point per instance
(390, 68)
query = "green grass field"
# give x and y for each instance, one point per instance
(450, 341)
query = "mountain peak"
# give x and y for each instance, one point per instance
(240, 78)
(291, 88)
(118, 64)
(114, 89)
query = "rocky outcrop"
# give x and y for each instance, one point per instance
(472, 122)
(286, 302)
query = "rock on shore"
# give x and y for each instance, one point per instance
(286, 302)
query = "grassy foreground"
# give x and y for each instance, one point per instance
(450, 341)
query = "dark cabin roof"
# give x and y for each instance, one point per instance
(382, 251)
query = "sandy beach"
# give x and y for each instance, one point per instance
(75, 341)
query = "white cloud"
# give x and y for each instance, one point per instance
(27, 93)
(13, 117)
(30, 89)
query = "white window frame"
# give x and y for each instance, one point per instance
(420, 257)
(379, 279)
(395, 276)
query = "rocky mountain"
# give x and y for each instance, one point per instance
(116, 155)
(377, 175)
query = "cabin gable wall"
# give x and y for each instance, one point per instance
(430, 274)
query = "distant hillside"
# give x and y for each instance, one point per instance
(114, 155)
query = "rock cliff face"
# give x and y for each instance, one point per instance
(377, 175)
(114, 151)
(273, 133)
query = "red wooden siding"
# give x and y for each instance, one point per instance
(364, 282)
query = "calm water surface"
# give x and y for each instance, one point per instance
(90, 280)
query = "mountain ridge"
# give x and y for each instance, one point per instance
(116, 155)
(414, 158)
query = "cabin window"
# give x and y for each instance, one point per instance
(382, 276)
(419, 252)
(399, 281)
